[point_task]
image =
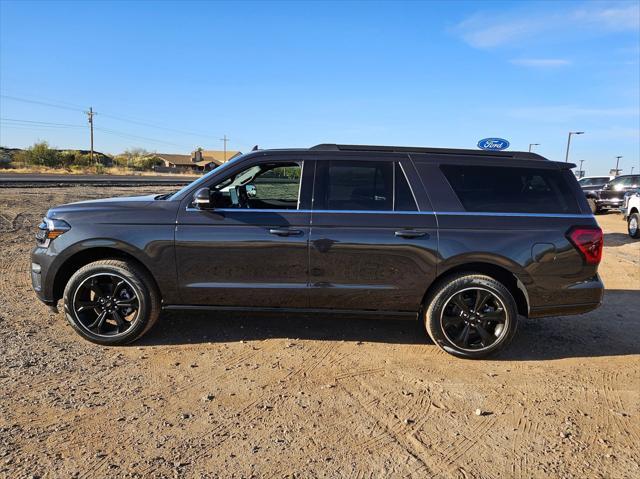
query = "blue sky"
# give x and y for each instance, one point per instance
(172, 76)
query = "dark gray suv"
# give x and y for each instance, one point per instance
(463, 240)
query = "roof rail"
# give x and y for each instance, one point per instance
(441, 151)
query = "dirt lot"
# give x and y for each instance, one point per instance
(219, 395)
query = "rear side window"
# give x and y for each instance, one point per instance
(511, 190)
(362, 186)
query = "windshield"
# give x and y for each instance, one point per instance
(204, 178)
(594, 181)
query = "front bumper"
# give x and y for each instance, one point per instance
(610, 203)
(42, 275)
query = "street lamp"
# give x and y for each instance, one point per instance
(566, 156)
(617, 163)
(533, 144)
(581, 161)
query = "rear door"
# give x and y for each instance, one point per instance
(251, 254)
(373, 239)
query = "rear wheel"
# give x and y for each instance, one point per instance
(111, 302)
(471, 316)
(632, 225)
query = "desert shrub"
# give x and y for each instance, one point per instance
(147, 162)
(39, 154)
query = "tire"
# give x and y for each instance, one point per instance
(445, 322)
(111, 302)
(593, 206)
(633, 225)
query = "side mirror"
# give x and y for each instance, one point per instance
(252, 191)
(202, 199)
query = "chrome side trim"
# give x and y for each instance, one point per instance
(532, 215)
(366, 212)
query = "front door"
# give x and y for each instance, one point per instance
(370, 248)
(251, 249)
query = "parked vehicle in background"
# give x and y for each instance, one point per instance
(593, 183)
(462, 240)
(611, 195)
(631, 212)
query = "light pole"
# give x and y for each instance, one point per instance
(533, 144)
(632, 169)
(617, 163)
(566, 156)
(581, 161)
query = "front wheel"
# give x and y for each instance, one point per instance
(111, 302)
(632, 225)
(593, 206)
(471, 316)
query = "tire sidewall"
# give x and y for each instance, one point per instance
(135, 282)
(451, 287)
(635, 216)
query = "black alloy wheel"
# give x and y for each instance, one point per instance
(106, 304)
(111, 301)
(473, 319)
(470, 315)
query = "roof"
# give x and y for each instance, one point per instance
(218, 156)
(444, 151)
(175, 159)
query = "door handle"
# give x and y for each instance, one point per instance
(411, 234)
(284, 232)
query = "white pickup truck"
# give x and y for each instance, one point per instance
(631, 212)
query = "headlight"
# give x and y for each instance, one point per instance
(50, 229)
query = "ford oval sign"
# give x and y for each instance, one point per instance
(493, 144)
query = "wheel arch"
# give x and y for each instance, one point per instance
(89, 255)
(497, 272)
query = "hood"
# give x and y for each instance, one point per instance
(122, 204)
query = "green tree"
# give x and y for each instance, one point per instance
(39, 154)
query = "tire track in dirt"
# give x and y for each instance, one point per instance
(392, 428)
(615, 409)
(171, 406)
(251, 412)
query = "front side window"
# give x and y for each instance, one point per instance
(511, 189)
(261, 186)
(362, 186)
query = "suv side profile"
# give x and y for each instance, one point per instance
(462, 240)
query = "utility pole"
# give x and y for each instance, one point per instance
(224, 140)
(90, 114)
(617, 164)
(566, 156)
(581, 161)
(532, 145)
(632, 169)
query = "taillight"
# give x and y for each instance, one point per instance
(588, 240)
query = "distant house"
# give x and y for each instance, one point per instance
(199, 160)
(176, 161)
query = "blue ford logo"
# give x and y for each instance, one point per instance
(493, 144)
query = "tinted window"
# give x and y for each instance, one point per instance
(262, 186)
(362, 186)
(511, 190)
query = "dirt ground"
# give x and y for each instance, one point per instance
(220, 395)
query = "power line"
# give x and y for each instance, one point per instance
(135, 137)
(107, 115)
(37, 102)
(17, 120)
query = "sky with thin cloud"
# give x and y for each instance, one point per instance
(173, 76)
